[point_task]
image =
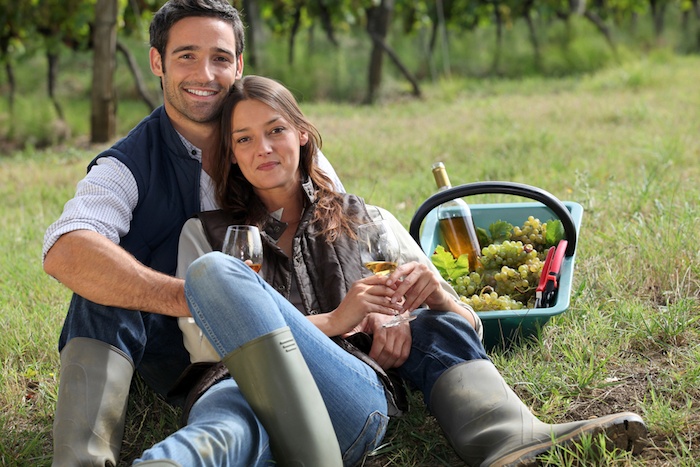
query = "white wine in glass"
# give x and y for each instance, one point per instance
(244, 242)
(382, 268)
(380, 252)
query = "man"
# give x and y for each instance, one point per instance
(115, 245)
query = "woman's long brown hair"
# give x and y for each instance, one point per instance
(235, 194)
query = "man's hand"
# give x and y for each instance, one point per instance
(390, 346)
(416, 285)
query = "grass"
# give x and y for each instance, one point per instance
(623, 142)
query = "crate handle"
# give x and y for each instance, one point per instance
(506, 188)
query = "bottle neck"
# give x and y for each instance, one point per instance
(441, 179)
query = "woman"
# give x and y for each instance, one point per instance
(267, 176)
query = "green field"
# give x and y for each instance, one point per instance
(624, 142)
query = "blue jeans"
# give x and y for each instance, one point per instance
(233, 305)
(153, 342)
(440, 341)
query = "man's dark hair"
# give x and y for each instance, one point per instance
(175, 10)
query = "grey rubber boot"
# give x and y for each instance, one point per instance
(488, 425)
(92, 397)
(275, 380)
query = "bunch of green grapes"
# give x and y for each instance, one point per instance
(532, 270)
(509, 281)
(508, 270)
(506, 278)
(532, 232)
(490, 300)
(520, 282)
(468, 284)
(510, 253)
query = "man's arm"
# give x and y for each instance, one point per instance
(103, 272)
(325, 165)
(81, 248)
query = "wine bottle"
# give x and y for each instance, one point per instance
(455, 222)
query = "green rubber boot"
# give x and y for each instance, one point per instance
(92, 397)
(159, 463)
(274, 378)
(488, 425)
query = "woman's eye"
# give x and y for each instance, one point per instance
(279, 129)
(242, 140)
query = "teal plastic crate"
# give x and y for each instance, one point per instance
(502, 328)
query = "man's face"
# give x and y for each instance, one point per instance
(197, 69)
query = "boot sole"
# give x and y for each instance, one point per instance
(626, 431)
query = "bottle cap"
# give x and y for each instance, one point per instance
(440, 174)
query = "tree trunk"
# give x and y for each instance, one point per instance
(434, 31)
(378, 20)
(499, 40)
(658, 10)
(397, 61)
(251, 13)
(532, 33)
(326, 23)
(442, 23)
(696, 8)
(13, 87)
(103, 117)
(52, 59)
(603, 28)
(293, 35)
(138, 77)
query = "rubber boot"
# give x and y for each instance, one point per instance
(274, 378)
(159, 463)
(488, 425)
(92, 398)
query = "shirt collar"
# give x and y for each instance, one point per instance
(192, 150)
(274, 227)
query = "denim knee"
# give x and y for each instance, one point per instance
(440, 341)
(205, 267)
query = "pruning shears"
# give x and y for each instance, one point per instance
(546, 291)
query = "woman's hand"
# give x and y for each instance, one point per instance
(416, 284)
(369, 295)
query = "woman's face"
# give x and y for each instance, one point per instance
(266, 146)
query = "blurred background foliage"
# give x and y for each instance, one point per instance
(351, 51)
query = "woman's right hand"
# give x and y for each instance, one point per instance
(366, 295)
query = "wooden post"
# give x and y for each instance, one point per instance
(103, 99)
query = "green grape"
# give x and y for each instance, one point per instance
(467, 284)
(506, 280)
(532, 232)
(509, 253)
(534, 270)
(489, 301)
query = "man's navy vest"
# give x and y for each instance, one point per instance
(168, 182)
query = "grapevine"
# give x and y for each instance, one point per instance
(508, 270)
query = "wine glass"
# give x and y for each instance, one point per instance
(380, 252)
(244, 242)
